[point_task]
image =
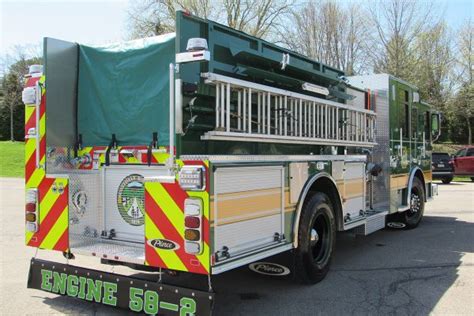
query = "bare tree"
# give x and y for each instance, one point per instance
(396, 24)
(255, 17)
(330, 33)
(154, 17)
(433, 64)
(463, 103)
(258, 18)
(466, 52)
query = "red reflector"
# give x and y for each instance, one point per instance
(30, 207)
(192, 222)
(198, 55)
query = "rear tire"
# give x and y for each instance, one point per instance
(413, 216)
(472, 179)
(447, 180)
(316, 239)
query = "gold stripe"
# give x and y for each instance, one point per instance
(353, 188)
(246, 205)
(398, 181)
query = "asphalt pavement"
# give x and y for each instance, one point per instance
(428, 270)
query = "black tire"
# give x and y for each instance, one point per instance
(316, 239)
(447, 180)
(413, 216)
(472, 179)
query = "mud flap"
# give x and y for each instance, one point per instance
(135, 294)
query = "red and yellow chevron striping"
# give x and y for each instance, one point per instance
(164, 219)
(52, 193)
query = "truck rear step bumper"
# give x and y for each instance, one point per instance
(135, 294)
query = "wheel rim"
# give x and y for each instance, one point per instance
(415, 204)
(320, 238)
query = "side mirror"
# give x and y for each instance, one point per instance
(435, 126)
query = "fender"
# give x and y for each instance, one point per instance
(410, 183)
(303, 194)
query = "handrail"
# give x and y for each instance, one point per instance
(171, 116)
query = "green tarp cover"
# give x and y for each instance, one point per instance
(124, 90)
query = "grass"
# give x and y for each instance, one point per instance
(12, 159)
(462, 179)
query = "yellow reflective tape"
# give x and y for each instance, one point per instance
(170, 258)
(132, 160)
(161, 157)
(47, 203)
(169, 206)
(35, 178)
(28, 236)
(30, 146)
(84, 151)
(56, 231)
(29, 110)
(42, 125)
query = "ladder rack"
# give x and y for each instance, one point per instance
(247, 111)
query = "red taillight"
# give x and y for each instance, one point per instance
(192, 222)
(31, 210)
(30, 207)
(193, 212)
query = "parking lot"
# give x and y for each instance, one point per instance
(417, 272)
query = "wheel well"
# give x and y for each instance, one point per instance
(327, 186)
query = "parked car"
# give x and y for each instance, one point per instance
(442, 167)
(463, 162)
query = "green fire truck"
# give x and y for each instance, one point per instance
(206, 150)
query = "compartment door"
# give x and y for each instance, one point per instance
(124, 202)
(247, 208)
(354, 189)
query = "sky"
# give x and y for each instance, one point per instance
(105, 21)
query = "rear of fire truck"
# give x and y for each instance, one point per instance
(102, 177)
(202, 151)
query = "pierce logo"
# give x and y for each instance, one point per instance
(163, 244)
(269, 268)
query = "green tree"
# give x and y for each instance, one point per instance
(12, 109)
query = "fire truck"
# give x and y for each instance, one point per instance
(205, 150)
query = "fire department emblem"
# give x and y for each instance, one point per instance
(131, 200)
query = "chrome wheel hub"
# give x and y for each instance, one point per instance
(415, 203)
(314, 237)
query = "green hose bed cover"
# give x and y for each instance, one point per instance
(124, 90)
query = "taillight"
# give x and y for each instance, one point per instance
(193, 225)
(192, 234)
(192, 222)
(31, 210)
